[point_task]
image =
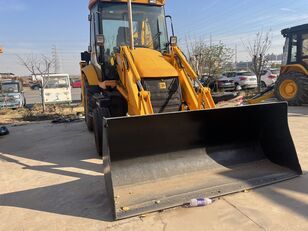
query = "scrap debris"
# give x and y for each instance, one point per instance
(4, 131)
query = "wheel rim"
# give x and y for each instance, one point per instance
(288, 89)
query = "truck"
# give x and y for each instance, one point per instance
(57, 88)
(12, 94)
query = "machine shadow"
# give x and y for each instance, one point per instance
(83, 196)
(298, 111)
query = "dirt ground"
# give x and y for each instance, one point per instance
(24, 115)
(51, 179)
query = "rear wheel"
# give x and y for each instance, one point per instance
(293, 88)
(98, 116)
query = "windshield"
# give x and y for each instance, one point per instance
(58, 82)
(9, 88)
(149, 26)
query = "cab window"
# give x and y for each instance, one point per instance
(294, 44)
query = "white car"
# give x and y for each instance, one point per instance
(269, 77)
(244, 79)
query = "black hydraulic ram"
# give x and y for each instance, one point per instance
(161, 161)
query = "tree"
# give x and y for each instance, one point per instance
(209, 58)
(38, 66)
(257, 49)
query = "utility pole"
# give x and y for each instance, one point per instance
(235, 56)
(55, 57)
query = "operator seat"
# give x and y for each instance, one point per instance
(123, 36)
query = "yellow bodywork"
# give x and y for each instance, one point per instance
(141, 63)
(293, 68)
(151, 63)
(91, 74)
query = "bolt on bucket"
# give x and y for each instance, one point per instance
(161, 161)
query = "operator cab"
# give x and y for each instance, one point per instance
(296, 46)
(109, 23)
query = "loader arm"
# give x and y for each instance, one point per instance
(195, 100)
(130, 86)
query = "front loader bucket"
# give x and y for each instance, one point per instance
(156, 162)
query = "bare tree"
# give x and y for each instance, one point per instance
(209, 58)
(258, 49)
(38, 66)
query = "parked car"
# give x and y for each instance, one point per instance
(244, 79)
(35, 86)
(269, 77)
(11, 94)
(222, 83)
(76, 84)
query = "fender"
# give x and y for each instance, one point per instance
(293, 68)
(90, 74)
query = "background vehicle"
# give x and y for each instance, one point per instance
(76, 84)
(36, 86)
(222, 83)
(269, 77)
(58, 89)
(292, 84)
(169, 149)
(11, 94)
(245, 79)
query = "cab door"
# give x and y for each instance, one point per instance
(303, 49)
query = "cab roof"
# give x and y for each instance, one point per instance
(292, 30)
(150, 2)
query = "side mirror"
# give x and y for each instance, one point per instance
(86, 56)
(100, 40)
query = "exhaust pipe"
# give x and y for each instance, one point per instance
(130, 22)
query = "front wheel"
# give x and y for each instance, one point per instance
(89, 104)
(293, 88)
(86, 104)
(98, 115)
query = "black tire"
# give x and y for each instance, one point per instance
(89, 104)
(98, 115)
(86, 100)
(301, 81)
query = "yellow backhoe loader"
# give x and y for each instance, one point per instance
(162, 140)
(292, 84)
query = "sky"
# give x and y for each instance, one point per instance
(36, 26)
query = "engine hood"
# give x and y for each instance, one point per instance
(152, 64)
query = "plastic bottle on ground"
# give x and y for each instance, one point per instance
(200, 202)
